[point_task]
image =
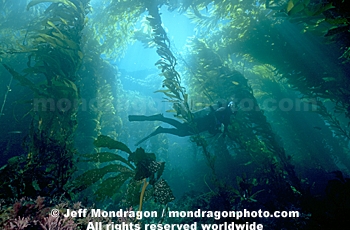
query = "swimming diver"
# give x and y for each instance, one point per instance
(210, 119)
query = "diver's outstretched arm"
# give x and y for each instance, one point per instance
(177, 132)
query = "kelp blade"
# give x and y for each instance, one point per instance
(107, 142)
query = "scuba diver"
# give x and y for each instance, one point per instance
(211, 119)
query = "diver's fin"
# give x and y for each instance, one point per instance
(157, 117)
(142, 140)
(136, 118)
(155, 132)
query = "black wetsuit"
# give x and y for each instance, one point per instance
(223, 117)
(207, 119)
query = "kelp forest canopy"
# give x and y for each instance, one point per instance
(73, 70)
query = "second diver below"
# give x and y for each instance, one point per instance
(210, 119)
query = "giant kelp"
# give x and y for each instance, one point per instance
(174, 92)
(249, 130)
(141, 167)
(264, 39)
(53, 60)
(325, 18)
(299, 122)
(113, 25)
(98, 89)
